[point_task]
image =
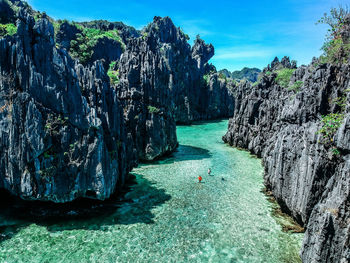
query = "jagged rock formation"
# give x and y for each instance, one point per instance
(66, 33)
(62, 134)
(190, 79)
(161, 83)
(284, 63)
(307, 173)
(7, 14)
(146, 98)
(250, 74)
(159, 70)
(65, 132)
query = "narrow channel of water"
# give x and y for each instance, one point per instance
(170, 216)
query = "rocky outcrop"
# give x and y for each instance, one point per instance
(66, 33)
(159, 71)
(108, 50)
(62, 134)
(65, 132)
(284, 63)
(191, 79)
(162, 83)
(7, 14)
(306, 170)
(145, 95)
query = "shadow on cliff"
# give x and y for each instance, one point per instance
(132, 205)
(184, 153)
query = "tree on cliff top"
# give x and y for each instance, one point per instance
(336, 48)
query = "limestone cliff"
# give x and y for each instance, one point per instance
(81, 103)
(307, 167)
(62, 133)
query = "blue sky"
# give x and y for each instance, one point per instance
(244, 33)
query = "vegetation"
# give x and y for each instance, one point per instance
(7, 30)
(53, 124)
(144, 35)
(331, 122)
(222, 76)
(48, 172)
(283, 76)
(56, 26)
(335, 151)
(152, 109)
(250, 74)
(113, 74)
(335, 49)
(256, 83)
(330, 125)
(206, 79)
(82, 47)
(341, 102)
(296, 86)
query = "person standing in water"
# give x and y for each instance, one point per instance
(200, 179)
(209, 171)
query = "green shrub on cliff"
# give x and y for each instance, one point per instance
(113, 74)
(296, 86)
(222, 76)
(330, 125)
(206, 79)
(283, 76)
(7, 30)
(82, 47)
(336, 49)
(153, 109)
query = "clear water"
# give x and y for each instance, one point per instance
(171, 217)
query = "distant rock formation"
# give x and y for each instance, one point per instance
(284, 63)
(250, 74)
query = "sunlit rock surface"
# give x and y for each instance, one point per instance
(62, 133)
(306, 174)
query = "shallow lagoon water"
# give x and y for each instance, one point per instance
(170, 217)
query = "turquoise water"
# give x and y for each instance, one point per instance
(170, 217)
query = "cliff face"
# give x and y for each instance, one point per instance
(146, 98)
(74, 128)
(198, 92)
(62, 134)
(307, 171)
(161, 84)
(161, 80)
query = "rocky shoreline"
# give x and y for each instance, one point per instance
(307, 173)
